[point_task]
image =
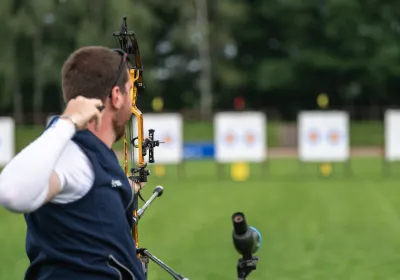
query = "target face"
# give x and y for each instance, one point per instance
(7, 140)
(240, 136)
(323, 136)
(229, 138)
(334, 137)
(313, 136)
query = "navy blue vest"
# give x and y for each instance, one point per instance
(89, 239)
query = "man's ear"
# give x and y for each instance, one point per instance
(116, 100)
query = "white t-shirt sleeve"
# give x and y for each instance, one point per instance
(76, 174)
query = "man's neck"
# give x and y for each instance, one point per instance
(105, 132)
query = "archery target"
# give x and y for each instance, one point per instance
(323, 136)
(168, 129)
(392, 135)
(240, 136)
(7, 140)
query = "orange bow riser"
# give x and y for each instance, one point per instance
(128, 43)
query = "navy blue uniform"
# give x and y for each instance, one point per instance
(89, 239)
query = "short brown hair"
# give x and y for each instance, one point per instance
(91, 72)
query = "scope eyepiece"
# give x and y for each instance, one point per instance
(239, 223)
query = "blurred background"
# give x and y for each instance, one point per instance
(200, 57)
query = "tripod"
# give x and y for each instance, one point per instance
(146, 255)
(245, 266)
(247, 241)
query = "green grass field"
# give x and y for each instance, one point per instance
(344, 227)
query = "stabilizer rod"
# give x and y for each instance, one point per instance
(158, 191)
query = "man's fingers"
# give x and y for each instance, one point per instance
(98, 104)
(97, 119)
(85, 110)
(97, 111)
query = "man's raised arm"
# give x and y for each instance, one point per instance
(28, 180)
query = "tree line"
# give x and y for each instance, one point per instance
(201, 53)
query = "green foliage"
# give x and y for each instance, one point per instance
(268, 51)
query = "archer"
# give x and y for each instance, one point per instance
(76, 199)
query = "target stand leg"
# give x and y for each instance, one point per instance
(348, 168)
(264, 168)
(220, 171)
(386, 168)
(181, 170)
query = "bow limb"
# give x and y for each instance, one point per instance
(128, 43)
(134, 76)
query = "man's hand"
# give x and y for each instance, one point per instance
(81, 111)
(137, 186)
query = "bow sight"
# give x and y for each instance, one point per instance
(148, 144)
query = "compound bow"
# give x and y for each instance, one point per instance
(128, 43)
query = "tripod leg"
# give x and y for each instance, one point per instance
(146, 254)
(246, 266)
